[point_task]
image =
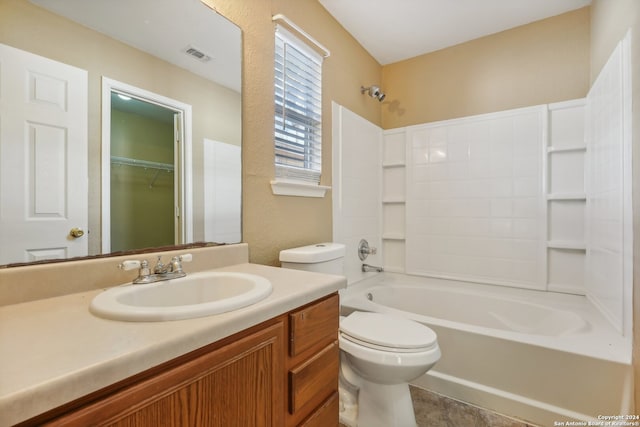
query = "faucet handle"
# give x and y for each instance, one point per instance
(176, 262)
(365, 250)
(129, 265)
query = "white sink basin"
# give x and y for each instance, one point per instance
(197, 295)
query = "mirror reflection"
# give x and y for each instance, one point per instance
(74, 175)
(144, 137)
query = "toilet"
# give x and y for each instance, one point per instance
(379, 353)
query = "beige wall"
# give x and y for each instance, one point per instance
(538, 63)
(271, 223)
(493, 73)
(610, 21)
(216, 109)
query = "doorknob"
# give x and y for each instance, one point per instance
(76, 232)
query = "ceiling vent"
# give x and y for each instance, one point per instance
(197, 54)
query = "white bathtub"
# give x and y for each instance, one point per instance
(540, 356)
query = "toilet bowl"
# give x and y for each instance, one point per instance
(380, 355)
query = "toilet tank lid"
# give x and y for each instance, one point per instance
(319, 252)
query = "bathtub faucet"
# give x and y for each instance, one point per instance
(367, 268)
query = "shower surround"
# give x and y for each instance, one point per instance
(536, 198)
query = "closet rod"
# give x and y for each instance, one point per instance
(281, 18)
(141, 163)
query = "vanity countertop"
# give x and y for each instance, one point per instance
(54, 350)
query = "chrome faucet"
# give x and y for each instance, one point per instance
(368, 268)
(161, 271)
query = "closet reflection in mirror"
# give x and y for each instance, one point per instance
(142, 190)
(144, 44)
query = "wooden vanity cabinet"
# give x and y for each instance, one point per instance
(236, 384)
(313, 363)
(281, 372)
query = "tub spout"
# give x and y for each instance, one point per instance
(366, 268)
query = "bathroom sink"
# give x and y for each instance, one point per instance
(196, 295)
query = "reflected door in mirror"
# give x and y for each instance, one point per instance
(43, 158)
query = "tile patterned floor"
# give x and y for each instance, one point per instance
(434, 410)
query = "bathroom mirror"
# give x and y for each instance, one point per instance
(176, 49)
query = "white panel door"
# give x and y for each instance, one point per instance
(43, 157)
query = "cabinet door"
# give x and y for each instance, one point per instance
(239, 384)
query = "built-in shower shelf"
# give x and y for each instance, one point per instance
(567, 196)
(393, 200)
(566, 149)
(567, 244)
(388, 165)
(393, 236)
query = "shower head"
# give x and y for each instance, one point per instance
(374, 92)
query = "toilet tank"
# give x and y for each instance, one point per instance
(321, 258)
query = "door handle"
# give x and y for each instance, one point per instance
(76, 232)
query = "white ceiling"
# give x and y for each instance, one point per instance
(164, 28)
(393, 30)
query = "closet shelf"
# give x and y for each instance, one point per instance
(566, 244)
(126, 161)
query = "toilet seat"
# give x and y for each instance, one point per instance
(387, 333)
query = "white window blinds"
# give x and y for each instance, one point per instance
(298, 109)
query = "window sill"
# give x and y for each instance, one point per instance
(281, 187)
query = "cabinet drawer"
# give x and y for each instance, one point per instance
(315, 325)
(314, 380)
(326, 415)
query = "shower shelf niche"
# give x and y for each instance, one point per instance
(393, 236)
(393, 200)
(566, 244)
(392, 165)
(567, 149)
(566, 197)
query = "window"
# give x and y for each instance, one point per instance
(298, 110)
